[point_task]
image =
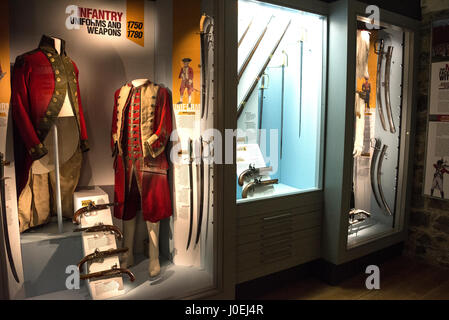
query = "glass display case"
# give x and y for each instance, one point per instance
(99, 209)
(279, 100)
(379, 133)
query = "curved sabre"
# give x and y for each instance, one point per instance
(379, 50)
(389, 55)
(377, 146)
(379, 180)
(4, 218)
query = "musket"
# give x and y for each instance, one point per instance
(377, 147)
(200, 214)
(100, 255)
(257, 183)
(191, 193)
(379, 50)
(89, 208)
(256, 80)
(379, 180)
(114, 271)
(245, 32)
(102, 228)
(3, 213)
(250, 173)
(253, 50)
(389, 55)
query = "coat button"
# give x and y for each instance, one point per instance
(57, 92)
(74, 80)
(54, 99)
(48, 54)
(48, 113)
(58, 79)
(52, 59)
(76, 93)
(57, 71)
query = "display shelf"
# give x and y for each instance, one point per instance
(275, 191)
(367, 230)
(49, 232)
(165, 286)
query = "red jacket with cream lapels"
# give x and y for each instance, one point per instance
(41, 78)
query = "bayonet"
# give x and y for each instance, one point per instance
(253, 50)
(100, 255)
(389, 55)
(191, 193)
(256, 80)
(251, 172)
(4, 219)
(102, 228)
(114, 271)
(90, 208)
(377, 147)
(255, 184)
(379, 180)
(379, 50)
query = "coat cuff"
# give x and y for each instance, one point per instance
(38, 151)
(84, 145)
(154, 147)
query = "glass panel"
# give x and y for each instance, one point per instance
(279, 113)
(377, 125)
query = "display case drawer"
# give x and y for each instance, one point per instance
(275, 224)
(268, 256)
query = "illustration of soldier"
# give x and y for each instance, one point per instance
(186, 76)
(440, 169)
(2, 74)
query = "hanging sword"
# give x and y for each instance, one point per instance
(389, 55)
(3, 213)
(203, 38)
(379, 180)
(372, 169)
(191, 193)
(379, 50)
(200, 214)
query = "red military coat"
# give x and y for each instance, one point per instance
(41, 78)
(155, 125)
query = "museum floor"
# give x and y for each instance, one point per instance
(401, 278)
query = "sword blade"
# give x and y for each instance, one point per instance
(387, 88)
(5, 221)
(191, 194)
(200, 215)
(379, 180)
(379, 84)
